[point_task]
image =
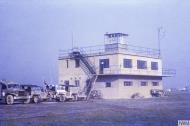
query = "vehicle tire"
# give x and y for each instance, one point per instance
(9, 99)
(75, 98)
(62, 98)
(36, 99)
(27, 101)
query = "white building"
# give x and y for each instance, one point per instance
(116, 70)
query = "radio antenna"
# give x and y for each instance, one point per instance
(161, 35)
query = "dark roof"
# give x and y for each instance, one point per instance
(115, 34)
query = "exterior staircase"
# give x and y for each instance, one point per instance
(88, 68)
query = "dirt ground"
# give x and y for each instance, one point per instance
(163, 111)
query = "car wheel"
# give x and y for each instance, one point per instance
(36, 99)
(62, 98)
(9, 99)
(75, 98)
(27, 101)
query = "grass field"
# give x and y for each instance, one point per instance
(165, 111)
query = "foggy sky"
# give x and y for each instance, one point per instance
(33, 31)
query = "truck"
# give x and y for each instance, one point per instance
(37, 93)
(11, 92)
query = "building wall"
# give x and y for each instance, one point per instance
(135, 71)
(113, 61)
(108, 92)
(115, 74)
(128, 91)
(116, 64)
(71, 73)
(119, 91)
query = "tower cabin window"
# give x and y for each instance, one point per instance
(127, 63)
(104, 63)
(154, 65)
(141, 64)
(77, 63)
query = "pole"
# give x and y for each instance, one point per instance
(159, 40)
(72, 40)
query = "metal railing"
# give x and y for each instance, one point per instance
(114, 48)
(168, 72)
(118, 69)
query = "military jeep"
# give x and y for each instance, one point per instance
(37, 94)
(11, 92)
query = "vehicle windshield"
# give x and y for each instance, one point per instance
(36, 88)
(17, 86)
(61, 88)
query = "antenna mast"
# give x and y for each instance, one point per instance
(72, 40)
(161, 35)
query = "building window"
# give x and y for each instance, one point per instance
(108, 84)
(143, 83)
(155, 83)
(141, 64)
(66, 82)
(77, 63)
(104, 63)
(77, 83)
(128, 83)
(67, 62)
(127, 63)
(154, 65)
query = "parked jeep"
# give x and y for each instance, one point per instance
(64, 93)
(36, 93)
(156, 92)
(11, 92)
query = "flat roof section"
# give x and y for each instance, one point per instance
(112, 49)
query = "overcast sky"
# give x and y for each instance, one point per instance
(33, 31)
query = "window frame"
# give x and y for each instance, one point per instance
(106, 63)
(67, 63)
(108, 84)
(143, 85)
(157, 83)
(66, 82)
(130, 83)
(77, 63)
(154, 65)
(141, 64)
(77, 83)
(127, 63)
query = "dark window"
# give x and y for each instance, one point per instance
(128, 83)
(67, 85)
(77, 63)
(104, 63)
(127, 63)
(141, 64)
(67, 62)
(154, 65)
(77, 83)
(3, 86)
(155, 83)
(66, 82)
(108, 84)
(143, 83)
